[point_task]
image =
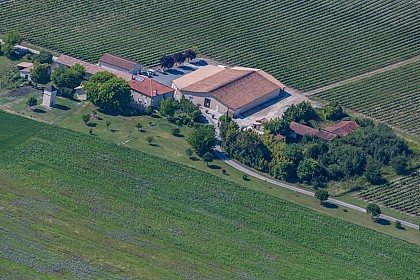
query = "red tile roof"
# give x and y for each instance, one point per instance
(90, 68)
(343, 128)
(118, 61)
(147, 86)
(24, 65)
(303, 130)
(279, 137)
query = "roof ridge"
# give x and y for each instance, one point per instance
(234, 80)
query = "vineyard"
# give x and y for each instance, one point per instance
(306, 44)
(77, 207)
(402, 195)
(391, 97)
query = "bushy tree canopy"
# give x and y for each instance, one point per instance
(202, 139)
(190, 54)
(373, 209)
(39, 73)
(168, 107)
(333, 111)
(68, 77)
(44, 57)
(10, 39)
(322, 195)
(179, 58)
(107, 91)
(167, 62)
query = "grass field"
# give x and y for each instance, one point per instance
(391, 97)
(306, 44)
(74, 206)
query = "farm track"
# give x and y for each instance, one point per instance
(363, 76)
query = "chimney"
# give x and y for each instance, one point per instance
(319, 129)
(132, 77)
(156, 92)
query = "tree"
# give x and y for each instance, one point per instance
(68, 77)
(307, 169)
(202, 139)
(208, 157)
(373, 209)
(373, 172)
(32, 101)
(167, 62)
(400, 164)
(149, 110)
(189, 152)
(190, 54)
(333, 111)
(10, 39)
(39, 73)
(44, 57)
(86, 118)
(322, 195)
(168, 107)
(397, 224)
(150, 139)
(138, 126)
(108, 123)
(278, 126)
(179, 58)
(107, 91)
(175, 131)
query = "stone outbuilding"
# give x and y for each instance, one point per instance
(146, 91)
(118, 63)
(48, 98)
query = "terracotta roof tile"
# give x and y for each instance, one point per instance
(148, 86)
(343, 128)
(90, 68)
(303, 130)
(24, 65)
(279, 137)
(118, 61)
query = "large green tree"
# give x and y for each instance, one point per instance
(307, 169)
(39, 73)
(333, 111)
(44, 57)
(168, 107)
(322, 195)
(107, 91)
(10, 39)
(68, 77)
(202, 139)
(373, 209)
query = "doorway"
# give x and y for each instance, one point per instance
(207, 102)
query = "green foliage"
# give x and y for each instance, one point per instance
(44, 57)
(333, 111)
(108, 123)
(373, 209)
(168, 107)
(66, 92)
(190, 54)
(208, 157)
(175, 131)
(32, 101)
(400, 164)
(189, 152)
(397, 224)
(107, 91)
(307, 169)
(179, 57)
(68, 77)
(39, 73)
(138, 126)
(322, 195)
(150, 139)
(373, 173)
(202, 139)
(149, 110)
(301, 113)
(87, 187)
(225, 118)
(10, 39)
(86, 118)
(278, 126)
(167, 62)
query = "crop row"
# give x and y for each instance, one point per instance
(402, 194)
(392, 97)
(305, 44)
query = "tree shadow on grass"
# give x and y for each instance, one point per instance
(330, 205)
(194, 158)
(113, 130)
(61, 107)
(40, 111)
(154, 145)
(156, 116)
(214, 166)
(91, 124)
(382, 222)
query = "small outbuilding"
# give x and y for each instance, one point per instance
(25, 70)
(48, 98)
(118, 63)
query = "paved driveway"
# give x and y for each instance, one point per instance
(177, 72)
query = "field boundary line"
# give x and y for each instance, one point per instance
(363, 76)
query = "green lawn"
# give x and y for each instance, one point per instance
(75, 206)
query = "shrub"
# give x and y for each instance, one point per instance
(175, 131)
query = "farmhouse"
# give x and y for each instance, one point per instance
(68, 61)
(300, 130)
(343, 128)
(118, 63)
(25, 70)
(146, 91)
(228, 90)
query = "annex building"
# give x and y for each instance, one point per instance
(228, 90)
